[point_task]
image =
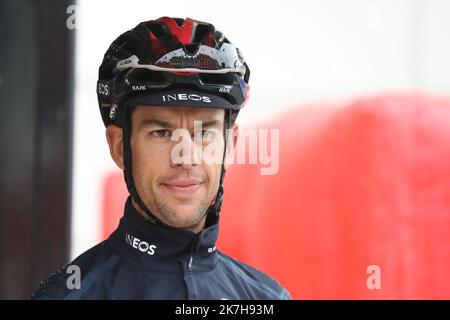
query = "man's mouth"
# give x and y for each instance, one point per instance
(183, 186)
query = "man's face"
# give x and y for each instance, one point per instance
(177, 164)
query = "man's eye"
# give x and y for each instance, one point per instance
(207, 135)
(160, 134)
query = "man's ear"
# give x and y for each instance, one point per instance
(233, 135)
(114, 135)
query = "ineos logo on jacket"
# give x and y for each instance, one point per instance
(185, 96)
(140, 245)
(103, 89)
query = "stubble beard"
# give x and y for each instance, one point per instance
(185, 220)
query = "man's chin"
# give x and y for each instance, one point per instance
(187, 212)
(184, 212)
(192, 223)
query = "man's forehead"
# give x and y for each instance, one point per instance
(175, 113)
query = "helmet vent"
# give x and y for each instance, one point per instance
(157, 29)
(201, 31)
(179, 21)
(191, 49)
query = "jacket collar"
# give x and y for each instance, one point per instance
(157, 248)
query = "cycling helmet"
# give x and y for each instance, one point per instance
(171, 62)
(151, 63)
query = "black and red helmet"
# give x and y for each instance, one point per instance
(173, 62)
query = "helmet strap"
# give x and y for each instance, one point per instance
(128, 171)
(213, 211)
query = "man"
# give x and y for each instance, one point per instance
(169, 92)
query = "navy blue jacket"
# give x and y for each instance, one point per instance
(141, 260)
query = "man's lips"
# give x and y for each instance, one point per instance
(183, 186)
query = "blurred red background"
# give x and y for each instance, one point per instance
(360, 183)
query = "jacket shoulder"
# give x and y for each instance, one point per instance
(72, 280)
(264, 286)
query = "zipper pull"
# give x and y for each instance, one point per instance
(190, 262)
(194, 248)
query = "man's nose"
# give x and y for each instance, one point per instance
(190, 152)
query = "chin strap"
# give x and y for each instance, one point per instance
(128, 173)
(212, 213)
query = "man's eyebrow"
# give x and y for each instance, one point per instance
(165, 124)
(211, 123)
(156, 122)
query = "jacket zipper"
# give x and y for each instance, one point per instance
(194, 249)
